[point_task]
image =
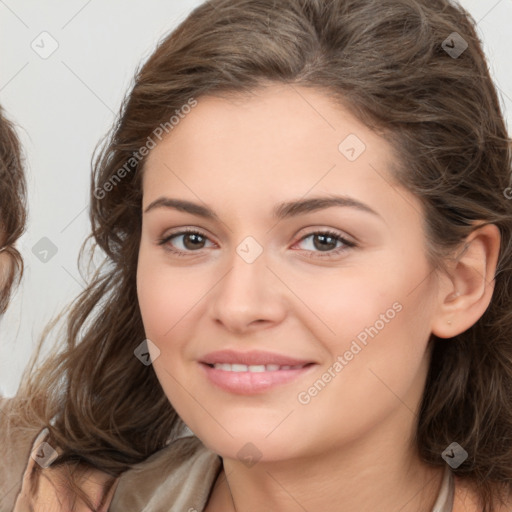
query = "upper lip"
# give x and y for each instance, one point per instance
(253, 357)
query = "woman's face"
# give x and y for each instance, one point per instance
(286, 324)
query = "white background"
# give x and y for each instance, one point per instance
(66, 103)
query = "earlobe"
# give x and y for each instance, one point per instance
(466, 292)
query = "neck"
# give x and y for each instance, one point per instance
(350, 479)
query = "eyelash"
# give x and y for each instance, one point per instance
(328, 254)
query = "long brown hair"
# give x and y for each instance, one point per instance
(13, 214)
(388, 61)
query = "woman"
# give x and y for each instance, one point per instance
(12, 224)
(374, 376)
(12, 209)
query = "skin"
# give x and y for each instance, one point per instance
(5, 268)
(352, 443)
(6, 262)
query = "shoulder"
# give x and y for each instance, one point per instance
(467, 500)
(44, 487)
(182, 472)
(15, 448)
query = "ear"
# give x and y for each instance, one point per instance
(466, 290)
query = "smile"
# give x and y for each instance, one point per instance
(257, 368)
(241, 379)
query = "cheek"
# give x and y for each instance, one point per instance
(338, 305)
(153, 295)
(376, 373)
(376, 318)
(377, 355)
(165, 295)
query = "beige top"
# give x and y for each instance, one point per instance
(179, 477)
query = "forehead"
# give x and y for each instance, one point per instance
(273, 117)
(280, 140)
(280, 121)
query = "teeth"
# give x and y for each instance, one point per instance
(257, 368)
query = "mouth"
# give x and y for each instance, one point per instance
(254, 372)
(255, 368)
(252, 359)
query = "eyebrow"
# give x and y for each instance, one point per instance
(281, 211)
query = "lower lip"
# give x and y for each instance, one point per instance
(249, 383)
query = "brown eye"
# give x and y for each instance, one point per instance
(326, 244)
(184, 242)
(193, 241)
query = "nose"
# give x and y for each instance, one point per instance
(249, 296)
